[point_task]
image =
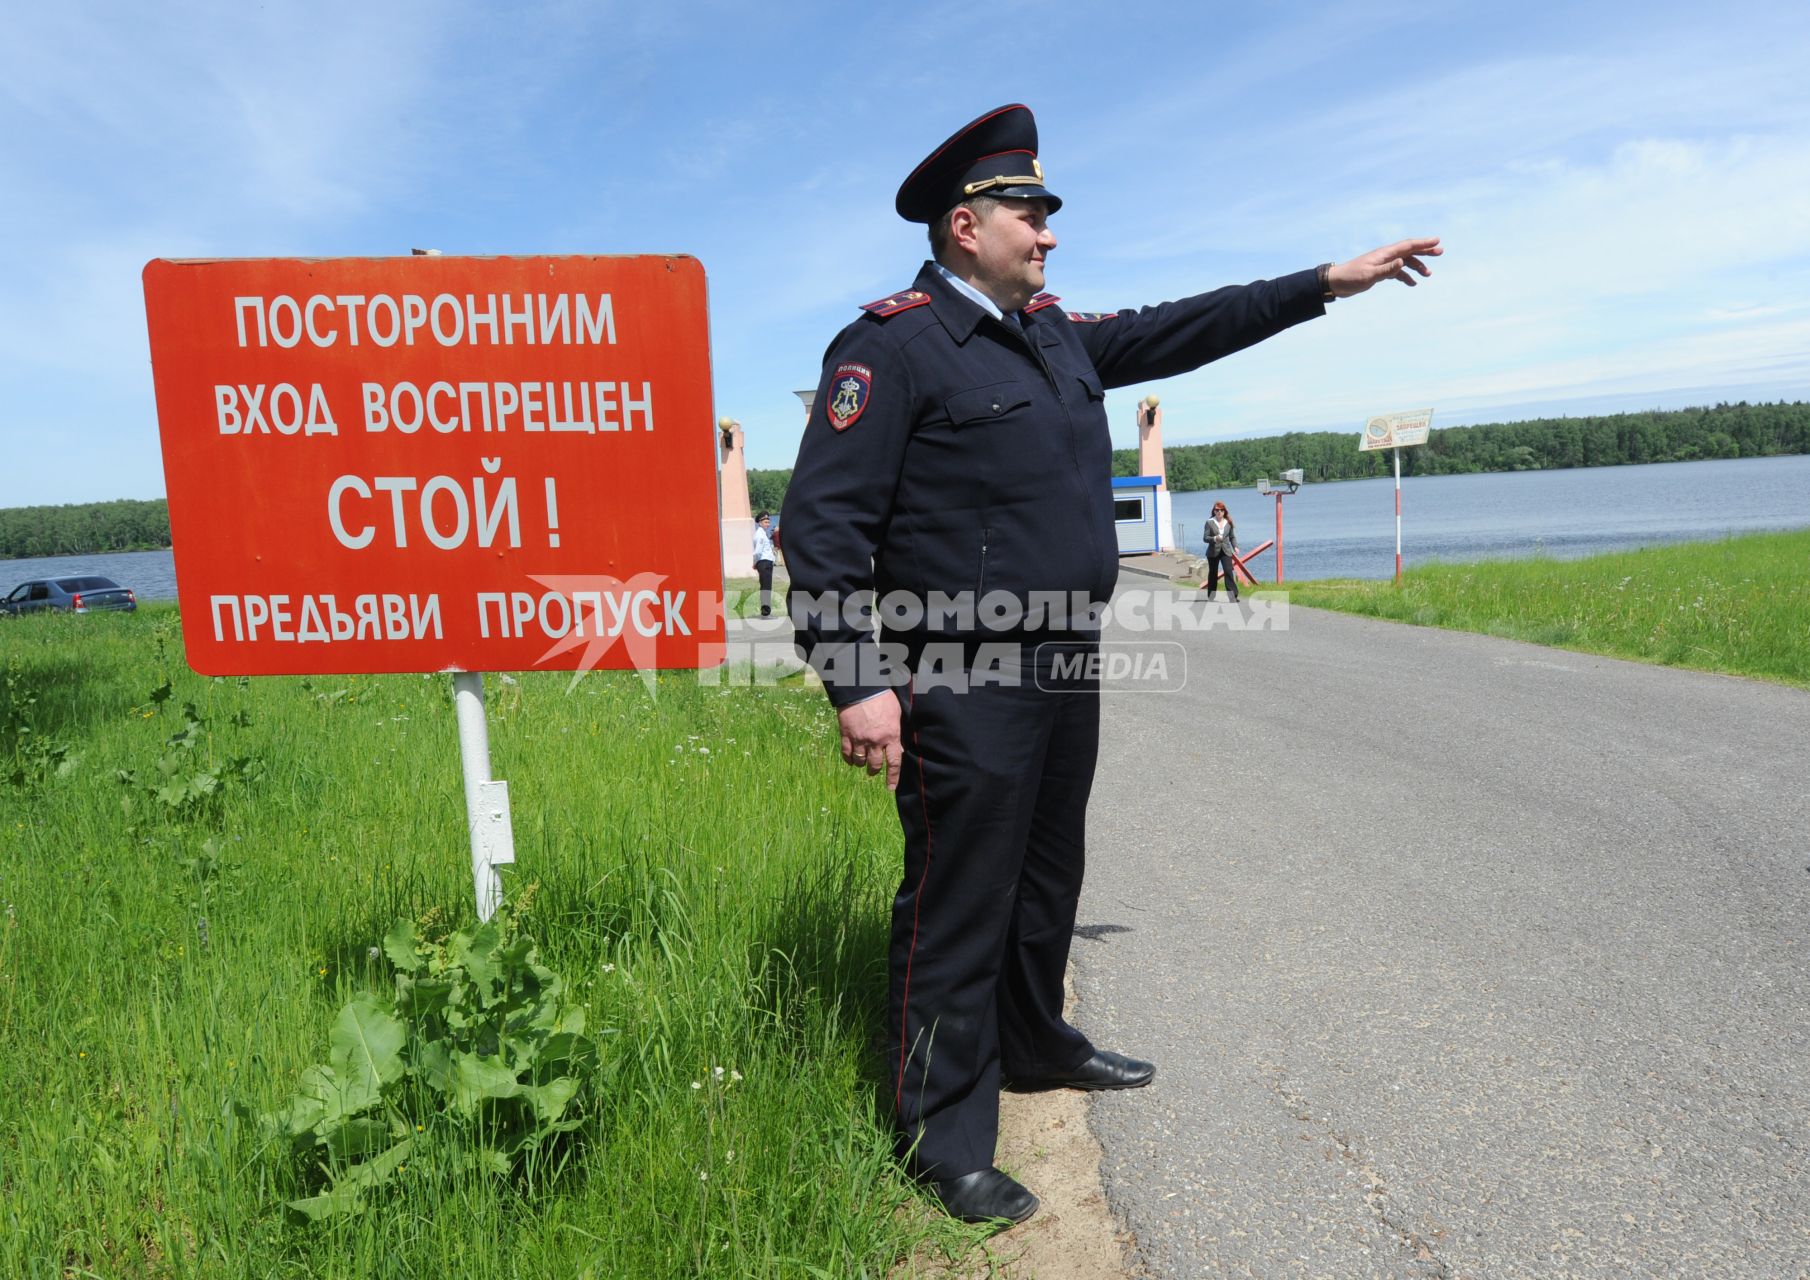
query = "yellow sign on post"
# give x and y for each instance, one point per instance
(1396, 430)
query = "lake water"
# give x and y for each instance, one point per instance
(1347, 529)
(152, 574)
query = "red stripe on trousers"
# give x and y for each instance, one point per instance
(917, 900)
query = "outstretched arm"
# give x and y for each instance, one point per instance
(1174, 337)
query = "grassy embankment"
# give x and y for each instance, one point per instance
(709, 880)
(1738, 605)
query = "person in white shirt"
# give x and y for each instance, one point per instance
(763, 561)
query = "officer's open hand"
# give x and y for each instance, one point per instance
(870, 736)
(1391, 262)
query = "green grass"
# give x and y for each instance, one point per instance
(1739, 605)
(708, 876)
(741, 597)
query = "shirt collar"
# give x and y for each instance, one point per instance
(969, 291)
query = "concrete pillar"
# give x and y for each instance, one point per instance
(1150, 441)
(1152, 463)
(732, 495)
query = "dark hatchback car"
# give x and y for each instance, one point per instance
(76, 595)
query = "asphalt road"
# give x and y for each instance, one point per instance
(1458, 957)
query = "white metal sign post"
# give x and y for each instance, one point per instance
(486, 798)
(1395, 432)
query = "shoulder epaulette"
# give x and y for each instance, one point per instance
(1091, 317)
(1041, 301)
(898, 302)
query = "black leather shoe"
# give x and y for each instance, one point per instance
(986, 1195)
(1105, 1070)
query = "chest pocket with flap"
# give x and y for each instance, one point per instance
(982, 405)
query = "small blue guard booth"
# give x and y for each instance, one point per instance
(1140, 513)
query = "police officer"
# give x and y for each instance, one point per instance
(956, 466)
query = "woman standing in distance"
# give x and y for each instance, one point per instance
(1222, 544)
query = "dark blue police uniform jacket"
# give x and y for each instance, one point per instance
(948, 453)
(980, 460)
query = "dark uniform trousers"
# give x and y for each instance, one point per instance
(993, 801)
(947, 451)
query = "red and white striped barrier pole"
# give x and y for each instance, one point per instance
(1396, 454)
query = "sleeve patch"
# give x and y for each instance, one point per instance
(1091, 317)
(851, 387)
(896, 303)
(1041, 301)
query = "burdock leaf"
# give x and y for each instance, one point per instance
(419, 997)
(485, 1159)
(400, 944)
(480, 960)
(366, 1051)
(328, 1204)
(476, 1078)
(316, 1102)
(435, 1067)
(549, 1100)
(347, 1193)
(356, 1139)
(565, 1053)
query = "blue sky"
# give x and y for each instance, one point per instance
(1624, 190)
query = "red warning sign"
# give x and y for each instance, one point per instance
(433, 464)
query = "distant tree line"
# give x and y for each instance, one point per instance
(84, 528)
(1678, 435)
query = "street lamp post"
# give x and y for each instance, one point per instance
(1290, 483)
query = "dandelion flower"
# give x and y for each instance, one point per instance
(697, 1084)
(735, 1075)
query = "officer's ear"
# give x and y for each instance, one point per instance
(964, 227)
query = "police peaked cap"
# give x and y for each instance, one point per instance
(995, 155)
